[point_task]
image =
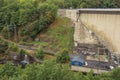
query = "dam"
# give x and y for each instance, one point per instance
(105, 23)
(98, 30)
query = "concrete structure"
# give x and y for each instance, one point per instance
(85, 69)
(105, 23)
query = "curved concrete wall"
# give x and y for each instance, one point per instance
(106, 23)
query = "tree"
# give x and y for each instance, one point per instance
(63, 57)
(1, 3)
(107, 4)
(13, 47)
(79, 76)
(8, 70)
(90, 75)
(22, 52)
(115, 74)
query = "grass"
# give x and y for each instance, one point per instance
(47, 57)
(60, 35)
(57, 37)
(40, 43)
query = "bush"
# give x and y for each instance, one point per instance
(22, 52)
(40, 53)
(5, 32)
(24, 32)
(3, 46)
(33, 34)
(24, 39)
(8, 70)
(13, 47)
(63, 57)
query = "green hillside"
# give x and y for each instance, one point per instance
(35, 43)
(58, 36)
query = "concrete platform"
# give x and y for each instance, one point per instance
(85, 69)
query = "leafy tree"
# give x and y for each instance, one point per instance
(22, 52)
(13, 47)
(79, 76)
(30, 72)
(116, 3)
(107, 4)
(8, 70)
(4, 31)
(63, 57)
(90, 75)
(3, 46)
(115, 74)
(22, 12)
(49, 70)
(86, 3)
(1, 3)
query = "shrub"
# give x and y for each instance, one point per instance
(24, 32)
(3, 46)
(40, 53)
(33, 34)
(4, 32)
(22, 52)
(8, 70)
(63, 57)
(13, 47)
(24, 39)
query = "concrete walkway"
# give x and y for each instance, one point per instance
(85, 69)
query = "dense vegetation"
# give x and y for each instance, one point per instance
(24, 19)
(49, 70)
(27, 20)
(85, 3)
(59, 36)
(20, 19)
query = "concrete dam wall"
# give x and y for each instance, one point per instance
(104, 22)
